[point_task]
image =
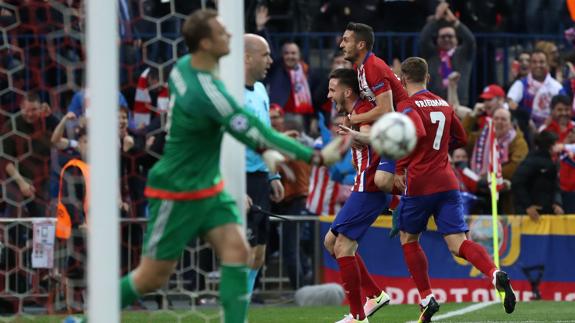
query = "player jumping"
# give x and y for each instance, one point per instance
(432, 188)
(361, 209)
(377, 84)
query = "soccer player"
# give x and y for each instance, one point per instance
(185, 188)
(361, 209)
(377, 84)
(432, 188)
(261, 184)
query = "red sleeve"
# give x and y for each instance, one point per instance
(377, 79)
(458, 135)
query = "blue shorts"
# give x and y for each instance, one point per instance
(386, 165)
(446, 207)
(358, 213)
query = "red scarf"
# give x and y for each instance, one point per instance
(300, 91)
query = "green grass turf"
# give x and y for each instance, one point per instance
(525, 312)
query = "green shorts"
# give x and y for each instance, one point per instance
(173, 224)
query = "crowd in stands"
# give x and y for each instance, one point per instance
(44, 101)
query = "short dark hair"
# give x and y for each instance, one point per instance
(560, 98)
(414, 69)
(197, 27)
(362, 32)
(347, 77)
(33, 96)
(545, 140)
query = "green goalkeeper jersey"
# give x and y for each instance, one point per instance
(200, 110)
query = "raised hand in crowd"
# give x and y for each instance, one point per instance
(262, 17)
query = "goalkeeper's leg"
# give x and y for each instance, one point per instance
(232, 248)
(150, 275)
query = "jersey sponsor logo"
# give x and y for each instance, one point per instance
(178, 81)
(431, 103)
(239, 123)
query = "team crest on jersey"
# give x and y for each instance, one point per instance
(239, 123)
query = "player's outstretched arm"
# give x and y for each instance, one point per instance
(384, 104)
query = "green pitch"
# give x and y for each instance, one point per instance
(524, 312)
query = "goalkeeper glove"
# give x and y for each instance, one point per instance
(332, 152)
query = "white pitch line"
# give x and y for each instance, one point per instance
(465, 310)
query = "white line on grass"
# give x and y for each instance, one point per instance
(465, 310)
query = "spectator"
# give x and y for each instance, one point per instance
(512, 149)
(530, 96)
(567, 172)
(144, 109)
(543, 16)
(560, 122)
(26, 157)
(536, 183)
(468, 180)
(447, 45)
(493, 98)
(520, 67)
(553, 58)
(288, 83)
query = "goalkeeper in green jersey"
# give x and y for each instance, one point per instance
(185, 188)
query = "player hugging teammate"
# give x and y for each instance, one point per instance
(425, 177)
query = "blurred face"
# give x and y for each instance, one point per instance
(277, 120)
(561, 113)
(259, 60)
(123, 118)
(460, 155)
(492, 104)
(31, 110)
(524, 61)
(290, 55)
(539, 66)
(340, 62)
(337, 94)
(446, 38)
(501, 122)
(219, 43)
(553, 56)
(349, 46)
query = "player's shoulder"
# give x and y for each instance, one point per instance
(374, 62)
(405, 104)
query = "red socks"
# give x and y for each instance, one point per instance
(478, 257)
(368, 285)
(416, 262)
(351, 280)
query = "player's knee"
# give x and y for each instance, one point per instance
(384, 181)
(344, 247)
(329, 242)
(150, 279)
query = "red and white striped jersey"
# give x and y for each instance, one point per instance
(323, 192)
(364, 157)
(376, 77)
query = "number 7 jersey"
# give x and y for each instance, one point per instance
(438, 131)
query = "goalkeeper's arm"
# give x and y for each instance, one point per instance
(249, 130)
